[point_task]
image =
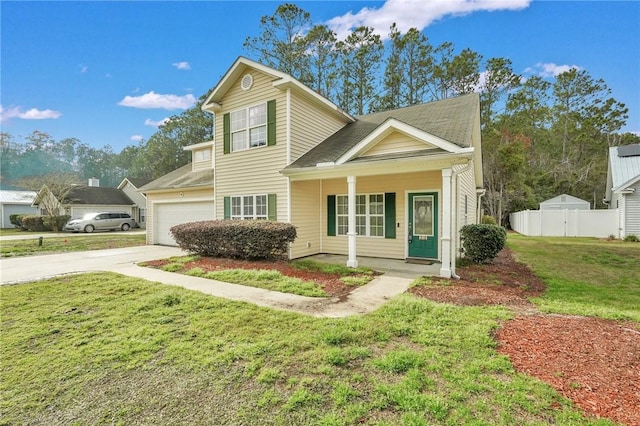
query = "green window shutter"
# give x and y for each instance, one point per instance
(226, 129)
(390, 215)
(271, 122)
(331, 215)
(227, 207)
(272, 206)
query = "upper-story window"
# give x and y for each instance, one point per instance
(249, 127)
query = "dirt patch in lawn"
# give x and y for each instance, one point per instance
(592, 361)
(330, 283)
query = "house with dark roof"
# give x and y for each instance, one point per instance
(623, 187)
(15, 202)
(396, 184)
(92, 198)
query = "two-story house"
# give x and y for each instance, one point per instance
(395, 184)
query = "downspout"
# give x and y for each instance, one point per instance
(454, 213)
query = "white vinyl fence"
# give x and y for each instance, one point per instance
(566, 223)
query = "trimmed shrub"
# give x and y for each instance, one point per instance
(488, 220)
(236, 239)
(56, 223)
(35, 223)
(631, 239)
(481, 243)
(16, 220)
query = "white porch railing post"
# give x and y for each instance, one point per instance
(445, 269)
(352, 262)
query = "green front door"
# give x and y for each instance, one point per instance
(423, 224)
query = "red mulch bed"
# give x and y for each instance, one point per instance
(594, 362)
(330, 283)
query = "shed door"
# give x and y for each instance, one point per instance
(167, 215)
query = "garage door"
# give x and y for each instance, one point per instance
(167, 215)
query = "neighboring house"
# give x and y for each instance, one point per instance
(15, 202)
(130, 187)
(83, 199)
(565, 202)
(623, 187)
(396, 184)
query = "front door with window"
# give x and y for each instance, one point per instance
(423, 224)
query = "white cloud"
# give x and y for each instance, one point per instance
(150, 122)
(415, 14)
(549, 69)
(31, 114)
(155, 100)
(182, 65)
(137, 138)
(83, 68)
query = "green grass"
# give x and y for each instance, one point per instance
(12, 248)
(109, 349)
(584, 276)
(4, 232)
(269, 280)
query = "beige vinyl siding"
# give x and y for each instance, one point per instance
(309, 126)
(465, 185)
(306, 215)
(202, 164)
(398, 183)
(177, 195)
(257, 170)
(396, 142)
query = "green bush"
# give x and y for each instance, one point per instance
(35, 223)
(56, 223)
(481, 243)
(631, 239)
(488, 220)
(16, 220)
(236, 239)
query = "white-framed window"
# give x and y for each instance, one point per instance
(248, 127)
(369, 215)
(246, 207)
(202, 155)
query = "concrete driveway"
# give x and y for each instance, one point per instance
(123, 260)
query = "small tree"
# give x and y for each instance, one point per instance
(54, 194)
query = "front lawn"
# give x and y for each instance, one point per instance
(584, 276)
(12, 248)
(110, 349)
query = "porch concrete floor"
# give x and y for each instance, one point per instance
(392, 267)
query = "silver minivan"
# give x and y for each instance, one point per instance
(101, 221)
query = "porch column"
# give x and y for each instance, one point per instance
(445, 269)
(352, 262)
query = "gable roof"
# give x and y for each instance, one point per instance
(17, 197)
(448, 121)
(82, 194)
(183, 177)
(281, 81)
(137, 182)
(624, 165)
(564, 198)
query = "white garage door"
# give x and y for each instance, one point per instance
(167, 215)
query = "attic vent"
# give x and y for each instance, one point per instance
(247, 82)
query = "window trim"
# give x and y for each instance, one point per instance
(367, 215)
(254, 205)
(205, 157)
(248, 128)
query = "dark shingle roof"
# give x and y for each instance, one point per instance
(451, 119)
(82, 194)
(139, 182)
(183, 177)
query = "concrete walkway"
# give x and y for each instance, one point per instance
(123, 261)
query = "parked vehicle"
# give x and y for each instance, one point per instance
(101, 221)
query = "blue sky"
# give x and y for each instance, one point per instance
(108, 72)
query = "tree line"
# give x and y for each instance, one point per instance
(541, 136)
